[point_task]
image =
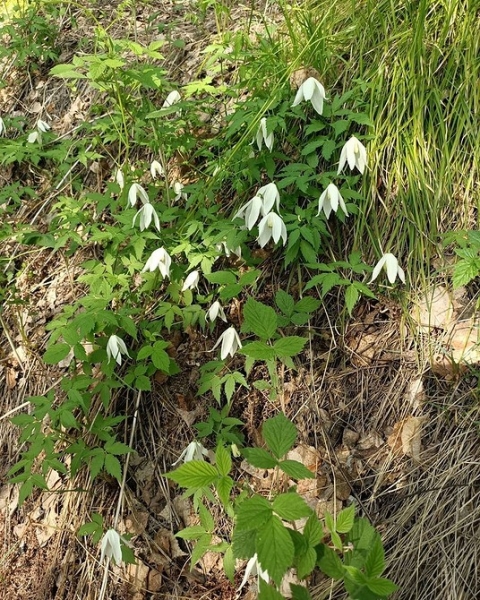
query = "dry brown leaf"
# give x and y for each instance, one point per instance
(415, 394)
(434, 310)
(411, 437)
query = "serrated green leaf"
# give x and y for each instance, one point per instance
(280, 434)
(289, 346)
(259, 319)
(194, 474)
(275, 549)
(329, 562)
(243, 543)
(224, 487)
(355, 575)
(222, 278)
(296, 470)
(56, 353)
(291, 507)
(142, 383)
(144, 352)
(307, 304)
(258, 351)
(375, 561)
(229, 564)
(260, 458)
(362, 536)
(345, 519)
(285, 302)
(267, 592)
(253, 513)
(191, 533)
(201, 547)
(306, 563)
(313, 530)
(113, 467)
(381, 586)
(299, 592)
(88, 529)
(351, 298)
(464, 272)
(160, 358)
(223, 460)
(117, 448)
(96, 463)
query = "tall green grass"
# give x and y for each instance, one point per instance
(421, 63)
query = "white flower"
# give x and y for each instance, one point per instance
(2, 126)
(120, 179)
(230, 343)
(271, 196)
(156, 169)
(172, 98)
(392, 267)
(42, 126)
(222, 247)
(179, 193)
(191, 281)
(263, 135)
(115, 348)
(136, 191)
(215, 311)
(146, 213)
(111, 546)
(312, 90)
(355, 154)
(330, 200)
(271, 226)
(33, 137)
(250, 212)
(254, 568)
(194, 451)
(159, 259)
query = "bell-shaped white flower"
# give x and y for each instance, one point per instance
(271, 226)
(230, 343)
(42, 126)
(137, 191)
(2, 126)
(120, 179)
(191, 281)
(250, 212)
(115, 348)
(178, 190)
(330, 200)
(254, 568)
(171, 99)
(271, 197)
(156, 169)
(216, 311)
(222, 247)
(312, 90)
(392, 267)
(146, 213)
(35, 136)
(194, 451)
(355, 154)
(263, 136)
(159, 259)
(111, 546)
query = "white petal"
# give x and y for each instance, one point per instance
(343, 159)
(264, 232)
(317, 102)
(191, 281)
(309, 87)
(299, 97)
(172, 98)
(378, 268)
(351, 153)
(392, 267)
(253, 212)
(401, 274)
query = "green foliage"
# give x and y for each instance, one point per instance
(467, 266)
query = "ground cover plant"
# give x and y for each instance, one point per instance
(208, 230)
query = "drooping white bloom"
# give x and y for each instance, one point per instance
(146, 213)
(312, 90)
(263, 136)
(222, 247)
(159, 259)
(2, 126)
(137, 191)
(271, 196)
(120, 179)
(156, 169)
(179, 193)
(115, 348)
(330, 200)
(215, 311)
(254, 568)
(33, 137)
(392, 267)
(271, 226)
(194, 451)
(191, 281)
(172, 98)
(230, 343)
(111, 546)
(250, 212)
(355, 154)
(43, 126)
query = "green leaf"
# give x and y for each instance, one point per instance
(375, 562)
(117, 448)
(194, 474)
(259, 319)
(296, 470)
(56, 353)
(160, 358)
(206, 518)
(224, 487)
(280, 434)
(285, 302)
(200, 549)
(221, 278)
(253, 513)
(299, 592)
(291, 507)
(289, 346)
(306, 563)
(113, 467)
(329, 562)
(464, 272)
(275, 549)
(313, 530)
(351, 298)
(381, 586)
(96, 463)
(260, 458)
(229, 564)
(142, 383)
(259, 351)
(307, 304)
(355, 575)
(191, 533)
(345, 519)
(267, 592)
(243, 543)
(362, 536)
(223, 460)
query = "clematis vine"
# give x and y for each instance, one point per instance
(2, 126)
(191, 281)
(355, 154)
(137, 191)
(146, 214)
(261, 204)
(119, 178)
(194, 451)
(159, 259)
(271, 227)
(263, 137)
(330, 200)
(156, 169)
(115, 348)
(254, 568)
(216, 311)
(230, 343)
(111, 546)
(390, 263)
(312, 90)
(171, 99)
(178, 190)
